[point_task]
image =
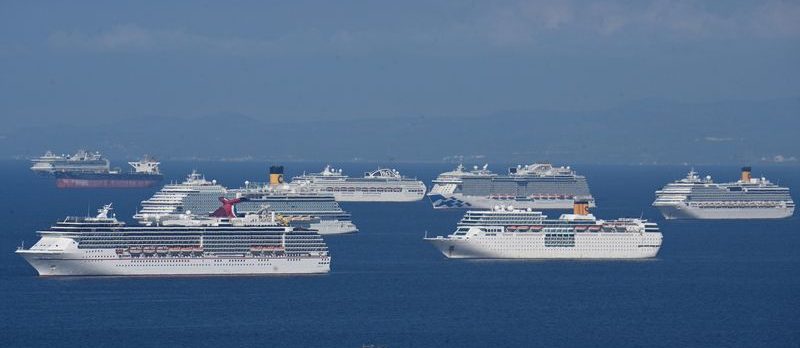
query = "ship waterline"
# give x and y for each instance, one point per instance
(106, 262)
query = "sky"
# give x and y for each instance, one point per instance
(86, 62)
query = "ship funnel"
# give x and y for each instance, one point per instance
(275, 175)
(746, 174)
(227, 210)
(581, 207)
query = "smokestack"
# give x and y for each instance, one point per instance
(581, 207)
(275, 175)
(746, 174)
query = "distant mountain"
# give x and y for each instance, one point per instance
(648, 131)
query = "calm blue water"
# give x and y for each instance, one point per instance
(713, 284)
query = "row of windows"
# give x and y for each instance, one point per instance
(365, 189)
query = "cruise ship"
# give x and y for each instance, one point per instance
(535, 186)
(509, 233)
(222, 244)
(381, 185)
(81, 162)
(700, 198)
(196, 195)
(196, 192)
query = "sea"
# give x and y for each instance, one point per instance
(713, 284)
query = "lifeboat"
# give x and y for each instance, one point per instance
(174, 249)
(594, 228)
(523, 228)
(536, 228)
(256, 249)
(581, 228)
(149, 250)
(186, 249)
(135, 250)
(197, 249)
(162, 250)
(511, 228)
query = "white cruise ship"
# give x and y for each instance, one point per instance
(80, 162)
(219, 245)
(382, 185)
(508, 233)
(196, 195)
(196, 192)
(700, 198)
(535, 186)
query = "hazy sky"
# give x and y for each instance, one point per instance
(84, 61)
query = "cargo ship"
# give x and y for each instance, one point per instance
(145, 173)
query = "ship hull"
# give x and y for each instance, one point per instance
(92, 180)
(675, 212)
(458, 201)
(107, 264)
(377, 197)
(532, 246)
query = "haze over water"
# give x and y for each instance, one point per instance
(629, 93)
(712, 284)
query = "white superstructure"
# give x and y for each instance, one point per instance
(700, 198)
(381, 185)
(197, 192)
(102, 246)
(508, 233)
(145, 165)
(536, 186)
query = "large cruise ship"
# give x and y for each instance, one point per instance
(80, 162)
(196, 195)
(382, 185)
(196, 192)
(536, 186)
(700, 198)
(508, 233)
(218, 245)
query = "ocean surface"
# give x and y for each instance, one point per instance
(714, 283)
